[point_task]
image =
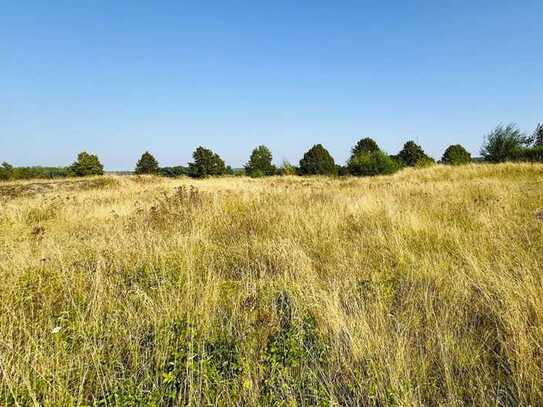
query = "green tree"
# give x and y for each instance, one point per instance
(456, 155)
(206, 163)
(366, 145)
(503, 143)
(317, 161)
(372, 163)
(87, 164)
(538, 135)
(6, 171)
(260, 162)
(412, 155)
(147, 164)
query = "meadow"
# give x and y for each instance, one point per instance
(424, 287)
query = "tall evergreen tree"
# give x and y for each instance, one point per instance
(147, 164)
(260, 162)
(87, 164)
(206, 163)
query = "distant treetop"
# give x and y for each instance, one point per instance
(412, 155)
(87, 164)
(317, 161)
(206, 163)
(365, 145)
(260, 163)
(456, 155)
(147, 164)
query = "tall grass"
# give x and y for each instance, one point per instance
(421, 288)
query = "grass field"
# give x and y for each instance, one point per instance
(421, 288)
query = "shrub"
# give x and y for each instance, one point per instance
(86, 164)
(530, 154)
(366, 145)
(343, 170)
(147, 164)
(456, 155)
(173, 171)
(8, 172)
(317, 161)
(372, 163)
(412, 154)
(287, 168)
(206, 163)
(257, 174)
(5, 171)
(260, 163)
(503, 143)
(425, 162)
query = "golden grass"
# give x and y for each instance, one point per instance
(421, 288)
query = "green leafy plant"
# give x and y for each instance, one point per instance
(372, 163)
(456, 155)
(503, 143)
(87, 164)
(529, 154)
(177, 171)
(6, 171)
(412, 154)
(365, 145)
(295, 355)
(147, 164)
(317, 161)
(260, 163)
(206, 163)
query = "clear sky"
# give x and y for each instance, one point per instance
(119, 77)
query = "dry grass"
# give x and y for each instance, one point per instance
(422, 288)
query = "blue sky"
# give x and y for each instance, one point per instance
(120, 77)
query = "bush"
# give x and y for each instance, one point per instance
(342, 170)
(530, 154)
(425, 162)
(504, 143)
(372, 163)
(412, 154)
(8, 172)
(456, 155)
(260, 163)
(287, 169)
(317, 161)
(173, 171)
(5, 171)
(147, 164)
(206, 163)
(86, 164)
(366, 145)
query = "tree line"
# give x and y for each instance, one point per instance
(504, 143)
